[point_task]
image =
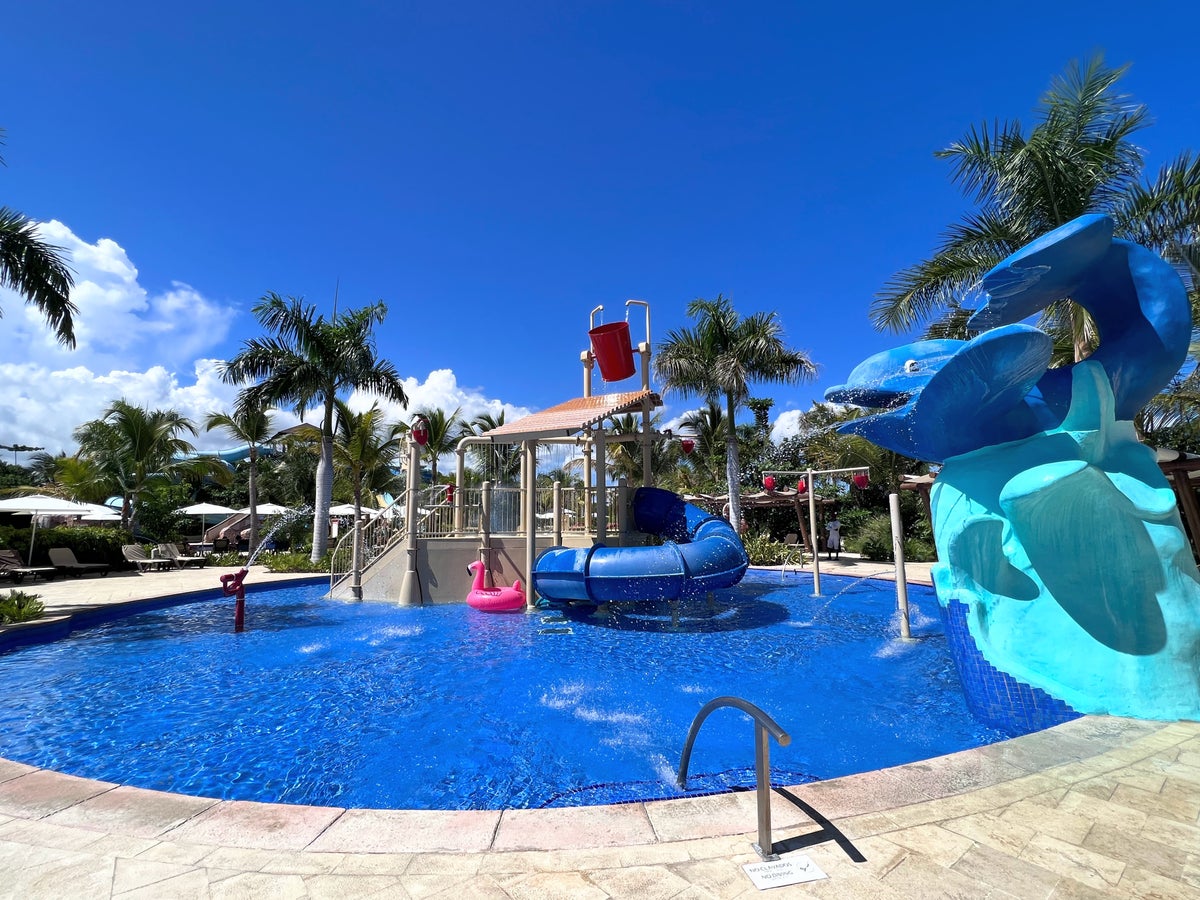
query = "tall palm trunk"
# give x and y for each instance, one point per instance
(253, 491)
(324, 486)
(733, 465)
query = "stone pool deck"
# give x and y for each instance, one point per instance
(1099, 807)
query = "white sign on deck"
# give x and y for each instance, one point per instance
(793, 870)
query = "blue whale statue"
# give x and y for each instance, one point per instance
(1060, 546)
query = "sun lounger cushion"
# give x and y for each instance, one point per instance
(64, 560)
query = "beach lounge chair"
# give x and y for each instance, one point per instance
(12, 567)
(64, 560)
(178, 558)
(136, 554)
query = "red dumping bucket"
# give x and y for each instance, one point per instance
(613, 351)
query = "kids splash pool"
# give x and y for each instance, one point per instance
(444, 707)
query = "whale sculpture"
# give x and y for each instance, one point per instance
(1061, 551)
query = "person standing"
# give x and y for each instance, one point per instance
(833, 538)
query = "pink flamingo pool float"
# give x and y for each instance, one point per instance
(494, 599)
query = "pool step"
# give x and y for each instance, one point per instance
(555, 623)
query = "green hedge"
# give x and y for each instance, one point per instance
(90, 544)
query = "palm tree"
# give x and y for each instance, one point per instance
(36, 271)
(365, 449)
(707, 428)
(720, 358)
(307, 363)
(624, 458)
(498, 462)
(1079, 158)
(251, 425)
(445, 431)
(74, 477)
(136, 447)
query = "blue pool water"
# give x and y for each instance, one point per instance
(444, 707)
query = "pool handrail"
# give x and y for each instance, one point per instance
(763, 725)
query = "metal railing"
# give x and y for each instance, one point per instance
(446, 512)
(763, 725)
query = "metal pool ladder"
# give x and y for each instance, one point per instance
(763, 725)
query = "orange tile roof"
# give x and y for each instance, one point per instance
(571, 417)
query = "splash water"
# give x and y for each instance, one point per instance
(284, 519)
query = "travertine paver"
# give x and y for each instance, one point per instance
(1096, 808)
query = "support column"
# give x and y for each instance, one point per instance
(410, 587)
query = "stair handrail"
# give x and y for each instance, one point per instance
(763, 725)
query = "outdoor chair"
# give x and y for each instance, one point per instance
(11, 566)
(220, 545)
(64, 560)
(793, 554)
(136, 554)
(176, 557)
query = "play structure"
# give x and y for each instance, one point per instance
(700, 553)
(1064, 574)
(592, 542)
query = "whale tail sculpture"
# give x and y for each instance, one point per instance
(1065, 577)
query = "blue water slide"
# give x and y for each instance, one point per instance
(701, 552)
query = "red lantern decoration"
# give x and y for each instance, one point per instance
(860, 479)
(687, 445)
(769, 482)
(420, 431)
(802, 486)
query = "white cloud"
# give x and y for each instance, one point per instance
(158, 350)
(786, 425)
(440, 390)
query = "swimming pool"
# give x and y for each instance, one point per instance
(376, 706)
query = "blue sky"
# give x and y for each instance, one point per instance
(494, 171)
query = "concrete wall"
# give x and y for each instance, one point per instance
(442, 567)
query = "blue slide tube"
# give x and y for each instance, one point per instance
(702, 553)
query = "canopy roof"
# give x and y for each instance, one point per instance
(571, 417)
(760, 499)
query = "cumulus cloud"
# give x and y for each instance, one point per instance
(159, 349)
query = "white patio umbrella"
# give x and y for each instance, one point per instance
(266, 509)
(41, 505)
(347, 509)
(204, 510)
(99, 513)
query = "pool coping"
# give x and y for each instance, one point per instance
(983, 789)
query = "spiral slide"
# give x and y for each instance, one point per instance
(701, 553)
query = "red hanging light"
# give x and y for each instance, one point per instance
(687, 445)
(802, 486)
(769, 482)
(860, 479)
(420, 431)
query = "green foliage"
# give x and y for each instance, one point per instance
(873, 540)
(156, 516)
(14, 476)
(89, 544)
(763, 549)
(294, 562)
(19, 606)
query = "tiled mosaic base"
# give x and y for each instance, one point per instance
(995, 698)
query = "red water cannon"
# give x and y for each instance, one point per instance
(231, 586)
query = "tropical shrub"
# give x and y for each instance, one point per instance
(19, 606)
(295, 562)
(763, 549)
